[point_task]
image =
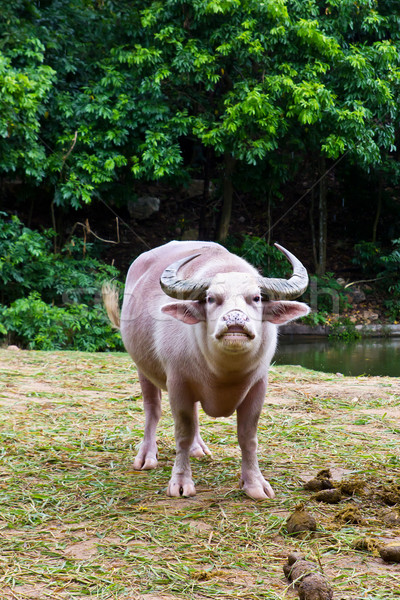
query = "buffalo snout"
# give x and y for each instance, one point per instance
(235, 317)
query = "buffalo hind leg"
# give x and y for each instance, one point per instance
(198, 448)
(147, 455)
(248, 414)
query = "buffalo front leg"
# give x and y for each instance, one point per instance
(185, 418)
(248, 414)
(147, 455)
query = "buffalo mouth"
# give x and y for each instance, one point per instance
(235, 332)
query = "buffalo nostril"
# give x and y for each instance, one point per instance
(235, 318)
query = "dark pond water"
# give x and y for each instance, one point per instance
(376, 356)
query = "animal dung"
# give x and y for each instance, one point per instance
(317, 484)
(365, 544)
(390, 553)
(329, 496)
(352, 487)
(350, 514)
(325, 474)
(308, 581)
(322, 481)
(390, 494)
(390, 517)
(300, 521)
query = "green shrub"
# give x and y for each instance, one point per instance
(345, 330)
(268, 259)
(367, 255)
(27, 263)
(51, 301)
(315, 318)
(329, 294)
(33, 324)
(385, 267)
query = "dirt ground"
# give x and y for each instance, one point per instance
(77, 522)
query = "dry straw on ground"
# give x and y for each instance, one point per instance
(77, 522)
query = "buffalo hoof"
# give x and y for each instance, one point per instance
(258, 490)
(181, 487)
(199, 449)
(146, 459)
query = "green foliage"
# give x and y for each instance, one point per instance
(329, 294)
(257, 80)
(344, 329)
(25, 84)
(391, 273)
(367, 255)
(267, 259)
(385, 267)
(31, 323)
(315, 318)
(51, 301)
(27, 263)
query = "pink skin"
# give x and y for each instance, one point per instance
(215, 353)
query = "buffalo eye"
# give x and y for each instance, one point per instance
(256, 298)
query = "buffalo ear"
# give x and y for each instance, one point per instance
(187, 312)
(281, 311)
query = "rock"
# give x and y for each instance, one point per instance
(355, 295)
(13, 348)
(196, 188)
(190, 234)
(370, 315)
(143, 207)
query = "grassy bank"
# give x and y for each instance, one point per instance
(77, 522)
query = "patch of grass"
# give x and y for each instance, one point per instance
(77, 522)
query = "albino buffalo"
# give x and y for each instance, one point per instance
(212, 345)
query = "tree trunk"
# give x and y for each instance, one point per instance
(203, 225)
(269, 228)
(323, 219)
(378, 210)
(54, 224)
(312, 225)
(226, 211)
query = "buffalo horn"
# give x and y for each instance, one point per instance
(285, 289)
(271, 288)
(183, 289)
